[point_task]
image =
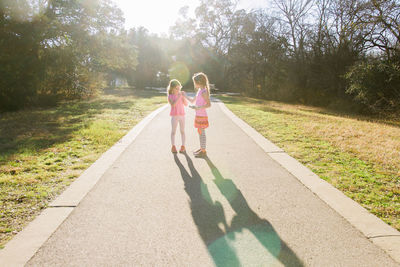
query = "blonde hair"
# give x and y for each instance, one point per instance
(202, 80)
(172, 84)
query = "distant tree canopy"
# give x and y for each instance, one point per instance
(57, 49)
(153, 59)
(321, 52)
(315, 52)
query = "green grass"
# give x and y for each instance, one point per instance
(43, 150)
(358, 155)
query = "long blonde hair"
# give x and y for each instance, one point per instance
(202, 80)
(172, 84)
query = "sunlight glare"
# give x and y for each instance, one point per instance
(156, 16)
(179, 71)
(256, 245)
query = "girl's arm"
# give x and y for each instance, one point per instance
(191, 100)
(184, 100)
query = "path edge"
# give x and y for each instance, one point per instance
(373, 228)
(23, 246)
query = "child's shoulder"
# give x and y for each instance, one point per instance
(204, 91)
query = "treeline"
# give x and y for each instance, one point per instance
(339, 53)
(59, 49)
(321, 52)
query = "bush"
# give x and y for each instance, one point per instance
(376, 85)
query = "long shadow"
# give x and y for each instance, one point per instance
(208, 215)
(246, 218)
(39, 128)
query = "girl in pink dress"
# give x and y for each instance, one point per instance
(202, 101)
(177, 101)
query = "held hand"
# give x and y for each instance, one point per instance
(194, 107)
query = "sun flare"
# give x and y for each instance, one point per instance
(156, 16)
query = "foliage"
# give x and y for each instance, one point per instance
(296, 50)
(52, 50)
(376, 85)
(153, 62)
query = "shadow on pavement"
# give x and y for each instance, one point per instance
(248, 239)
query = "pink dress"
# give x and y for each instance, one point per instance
(201, 120)
(178, 109)
(201, 102)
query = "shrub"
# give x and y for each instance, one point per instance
(376, 85)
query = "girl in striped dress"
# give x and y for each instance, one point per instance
(202, 101)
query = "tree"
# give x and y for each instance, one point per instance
(376, 85)
(382, 21)
(294, 13)
(302, 52)
(185, 27)
(152, 60)
(54, 49)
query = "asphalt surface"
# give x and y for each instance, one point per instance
(238, 207)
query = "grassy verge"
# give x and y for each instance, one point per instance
(43, 150)
(358, 155)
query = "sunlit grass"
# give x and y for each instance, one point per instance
(358, 155)
(44, 150)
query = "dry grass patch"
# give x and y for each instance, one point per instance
(371, 139)
(358, 155)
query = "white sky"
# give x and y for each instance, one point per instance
(158, 15)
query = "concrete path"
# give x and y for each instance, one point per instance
(236, 208)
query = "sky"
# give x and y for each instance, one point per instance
(158, 15)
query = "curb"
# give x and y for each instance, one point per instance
(373, 228)
(19, 250)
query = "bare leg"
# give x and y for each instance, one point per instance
(182, 128)
(174, 125)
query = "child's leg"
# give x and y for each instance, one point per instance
(174, 125)
(182, 128)
(203, 139)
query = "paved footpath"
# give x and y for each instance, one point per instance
(236, 208)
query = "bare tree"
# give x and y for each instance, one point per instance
(185, 27)
(216, 22)
(294, 13)
(322, 26)
(382, 19)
